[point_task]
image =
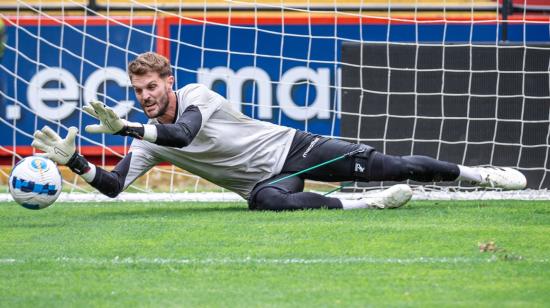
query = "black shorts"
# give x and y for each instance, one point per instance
(308, 150)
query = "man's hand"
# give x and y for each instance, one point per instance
(57, 149)
(109, 121)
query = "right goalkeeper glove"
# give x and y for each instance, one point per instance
(110, 122)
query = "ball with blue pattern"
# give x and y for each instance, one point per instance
(35, 182)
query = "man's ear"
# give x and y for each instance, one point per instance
(170, 81)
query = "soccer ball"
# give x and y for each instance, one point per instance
(35, 182)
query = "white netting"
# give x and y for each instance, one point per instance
(428, 77)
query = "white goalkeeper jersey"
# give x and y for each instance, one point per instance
(230, 150)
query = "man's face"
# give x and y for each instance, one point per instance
(152, 92)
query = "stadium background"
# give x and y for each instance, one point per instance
(212, 27)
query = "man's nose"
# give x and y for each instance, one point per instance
(146, 95)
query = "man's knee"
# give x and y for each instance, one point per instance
(269, 199)
(399, 168)
(382, 167)
(416, 167)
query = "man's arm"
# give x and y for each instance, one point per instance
(111, 183)
(179, 134)
(108, 183)
(182, 132)
(63, 151)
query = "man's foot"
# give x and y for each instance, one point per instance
(501, 177)
(391, 198)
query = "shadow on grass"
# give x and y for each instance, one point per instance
(172, 210)
(34, 225)
(202, 210)
(167, 211)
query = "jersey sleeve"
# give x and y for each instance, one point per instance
(206, 100)
(182, 132)
(141, 161)
(137, 162)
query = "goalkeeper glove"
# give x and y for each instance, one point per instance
(110, 122)
(61, 151)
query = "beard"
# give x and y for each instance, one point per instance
(157, 108)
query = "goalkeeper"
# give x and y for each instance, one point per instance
(197, 130)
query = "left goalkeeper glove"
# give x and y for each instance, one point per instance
(110, 122)
(59, 150)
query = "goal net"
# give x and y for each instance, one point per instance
(457, 80)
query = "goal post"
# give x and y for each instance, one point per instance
(426, 77)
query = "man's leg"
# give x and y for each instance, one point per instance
(381, 167)
(309, 150)
(426, 169)
(288, 195)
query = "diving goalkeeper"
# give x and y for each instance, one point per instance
(197, 130)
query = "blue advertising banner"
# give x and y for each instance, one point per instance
(277, 70)
(56, 68)
(268, 70)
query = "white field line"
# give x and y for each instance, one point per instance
(419, 194)
(260, 261)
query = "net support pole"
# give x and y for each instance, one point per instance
(92, 7)
(506, 9)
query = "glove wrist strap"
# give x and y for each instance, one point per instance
(135, 131)
(78, 164)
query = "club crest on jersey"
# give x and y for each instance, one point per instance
(39, 165)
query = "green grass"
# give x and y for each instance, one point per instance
(209, 254)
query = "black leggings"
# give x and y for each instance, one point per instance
(308, 150)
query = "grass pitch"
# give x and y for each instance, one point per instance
(485, 253)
